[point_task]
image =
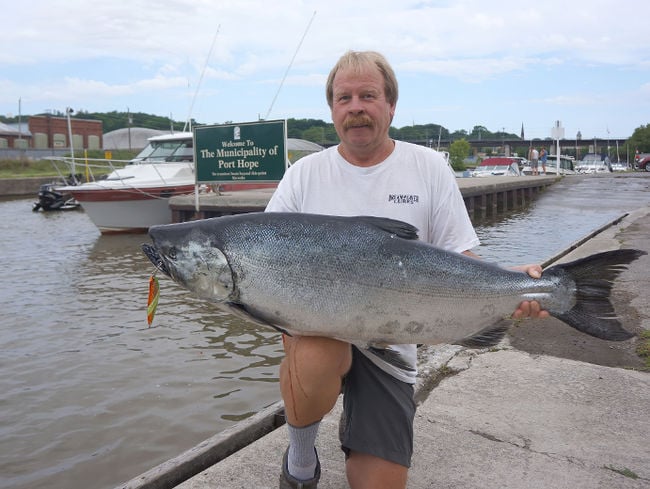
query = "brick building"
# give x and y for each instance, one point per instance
(48, 131)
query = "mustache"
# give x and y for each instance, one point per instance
(357, 120)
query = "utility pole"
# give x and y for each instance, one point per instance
(69, 111)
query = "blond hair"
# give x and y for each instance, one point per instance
(357, 61)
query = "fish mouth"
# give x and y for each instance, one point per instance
(155, 257)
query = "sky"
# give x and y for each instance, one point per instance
(459, 63)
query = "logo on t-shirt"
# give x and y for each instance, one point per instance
(403, 199)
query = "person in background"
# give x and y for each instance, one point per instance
(368, 173)
(533, 157)
(543, 155)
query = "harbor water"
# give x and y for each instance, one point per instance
(92, 397)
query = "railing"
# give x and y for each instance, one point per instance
(93, 168)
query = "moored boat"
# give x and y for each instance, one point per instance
(594, 163)
(566, 166)
(131, 196)
(498, 166)
(50, 199)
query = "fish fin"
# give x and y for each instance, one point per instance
(400, 229)
(241, 312)
(594, 277)
(387, 354)
(489, 336)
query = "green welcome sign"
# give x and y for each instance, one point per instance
(249, 151)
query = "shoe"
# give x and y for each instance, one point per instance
(287, 481)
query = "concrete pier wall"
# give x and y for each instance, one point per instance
(484, 198)
(16, 187)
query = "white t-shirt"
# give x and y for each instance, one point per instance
(414, 184)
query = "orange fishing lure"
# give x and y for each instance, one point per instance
(152, 302)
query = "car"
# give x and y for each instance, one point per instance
(642, 163)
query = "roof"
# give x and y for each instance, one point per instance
(9, 129)
(119, 139)
(294, 144)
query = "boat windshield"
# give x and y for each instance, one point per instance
(163, 151)
(565, 163)
(593, 159)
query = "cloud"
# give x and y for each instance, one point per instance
(155, 51)
(254, 36)
(469, 70)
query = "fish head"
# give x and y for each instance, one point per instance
(190, 258)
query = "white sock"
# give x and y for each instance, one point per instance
(301, 460)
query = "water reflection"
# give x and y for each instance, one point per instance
(86, 385)
(92, 397)
(563, 214)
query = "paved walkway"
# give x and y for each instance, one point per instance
(506, 418)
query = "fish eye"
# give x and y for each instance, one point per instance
(172, 253)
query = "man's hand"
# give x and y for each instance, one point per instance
(527, 309)
(530, 309)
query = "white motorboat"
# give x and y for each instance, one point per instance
(134, 196)
(121, 197)
(566, 166)
(594, 163)
(498, 166)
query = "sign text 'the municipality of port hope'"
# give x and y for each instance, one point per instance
(245, 152)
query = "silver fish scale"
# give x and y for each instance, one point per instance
(352, 280)
(366, 279)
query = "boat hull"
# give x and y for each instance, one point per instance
(132, 210)
(132, 196)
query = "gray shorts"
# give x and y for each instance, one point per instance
(378, 412)
(533, 163)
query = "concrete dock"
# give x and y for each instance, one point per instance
(484, 197)
(500, 418)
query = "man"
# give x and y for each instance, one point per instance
(366, 174)
(543, 156)
(533, 158)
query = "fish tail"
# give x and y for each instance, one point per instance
(593, 312)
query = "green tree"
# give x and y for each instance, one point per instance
(459, 134)
(315, 134)
(330, 135)
(480, 132)
(411, 133)
(458, 151)
(640, 139)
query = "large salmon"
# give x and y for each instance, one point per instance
(368, 279)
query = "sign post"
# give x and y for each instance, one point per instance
(557, 133)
